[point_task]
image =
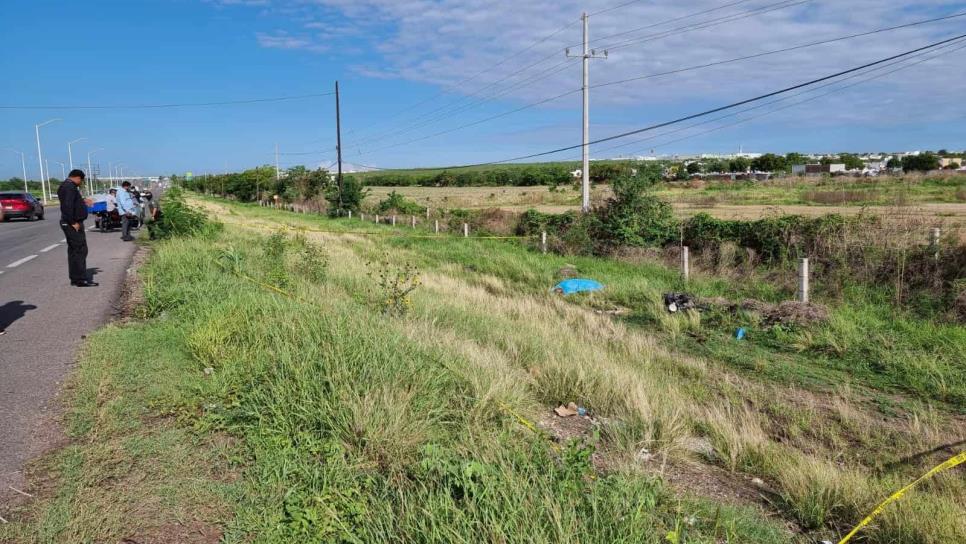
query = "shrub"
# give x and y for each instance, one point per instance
(351, 198)
(632, 217)
(178, 219)
(396, 202)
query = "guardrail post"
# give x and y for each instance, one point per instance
(803, 281)
(685, 263)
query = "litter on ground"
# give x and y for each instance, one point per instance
(577, 285)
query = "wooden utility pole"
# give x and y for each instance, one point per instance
(338, 141)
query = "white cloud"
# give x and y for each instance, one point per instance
(281, 39)
(447, 42)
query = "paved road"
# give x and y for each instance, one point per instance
(44, 318)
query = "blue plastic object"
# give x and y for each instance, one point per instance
(97, 207)
(569, 287)
(740, 334)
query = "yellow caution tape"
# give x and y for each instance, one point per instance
(952, 462)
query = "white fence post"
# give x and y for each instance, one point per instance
(377, 218)
(685, 263)
(466, 230)
(394, 220)
(437, 226)
(803, 281)
(362, 216)
(427, 214)
(350, 214)
(543, 242)
(414, 221)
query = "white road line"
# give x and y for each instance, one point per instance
(15, 264)
(48, 248)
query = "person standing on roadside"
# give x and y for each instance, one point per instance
(127, 209)
(73, 212)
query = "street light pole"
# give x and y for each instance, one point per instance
(63, 171)
(23, 165)
(70, 156)
(40, 159)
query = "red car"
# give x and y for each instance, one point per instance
(20, 204)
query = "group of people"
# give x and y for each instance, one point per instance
(129, 202)
(126, 200)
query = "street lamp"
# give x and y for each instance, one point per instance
(90, 172)
(63, 171)
(70, 156)
(23, 164)
(40, 159)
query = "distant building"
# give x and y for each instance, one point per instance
(811, 170)
(944, 162)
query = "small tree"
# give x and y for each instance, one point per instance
(353, 194)
(923, 162)
(694, 168)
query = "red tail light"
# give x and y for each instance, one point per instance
(16, 204)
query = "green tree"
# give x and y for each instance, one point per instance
(353, 194)
(792, 159)
(894, 162)
(924, 162)
(769, 162)
(851, 162)
(716, 165)
(694, 167)
(739, 165)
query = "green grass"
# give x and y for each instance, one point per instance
(343, 423)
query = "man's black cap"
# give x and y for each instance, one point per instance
(75, 173)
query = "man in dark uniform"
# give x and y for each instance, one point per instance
(73, 212)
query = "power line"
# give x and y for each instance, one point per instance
(776, 51)
(666, 21)
(421, 120)
(159, 106)
(746, 110)
(714, 110)
(739, 103)
(568, 93)
(708, 24)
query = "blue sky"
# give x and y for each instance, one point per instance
(459, 62)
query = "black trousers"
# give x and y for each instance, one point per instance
(76, 252)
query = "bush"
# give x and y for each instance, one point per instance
(351, 199)
(178, 219)
(396, 202)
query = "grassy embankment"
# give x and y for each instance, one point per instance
(335, 421)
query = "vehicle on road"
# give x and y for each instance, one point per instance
(21, 205)
(105, 220)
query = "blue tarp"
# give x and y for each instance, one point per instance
(569, 287)
(99, 205)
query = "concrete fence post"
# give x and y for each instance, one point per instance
(934, 236)
(436, 227)
(466, 230)
(350, 214)
(377, 218)
(427, 214)
(394, 220)
(803, 281)
(414, 221)
(543, 242)
(362, 216)
(685, 263)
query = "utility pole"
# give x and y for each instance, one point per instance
(276, 163)
(23, 165)
(338, 141)
(586, 56)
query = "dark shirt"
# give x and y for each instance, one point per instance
(73, 209)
